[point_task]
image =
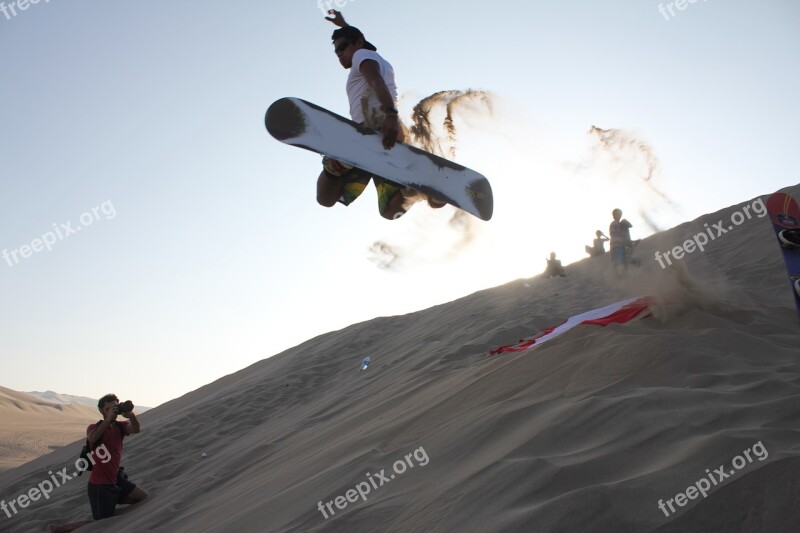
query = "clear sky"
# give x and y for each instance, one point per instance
(206, 250)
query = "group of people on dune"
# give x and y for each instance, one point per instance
(620, 243)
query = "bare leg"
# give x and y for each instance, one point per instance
(66, 528)
(435, 204)
(328, 190)
(395, 208)
(135, 497)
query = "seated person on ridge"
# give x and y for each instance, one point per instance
(554, 267)
(599, 246)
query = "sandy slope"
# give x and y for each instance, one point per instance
(586, 433)
(31, 426)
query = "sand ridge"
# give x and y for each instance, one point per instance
(586, 433)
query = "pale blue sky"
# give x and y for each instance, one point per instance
(218, 255)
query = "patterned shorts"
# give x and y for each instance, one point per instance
(356, 180)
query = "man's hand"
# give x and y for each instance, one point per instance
(134, 427)
(336, 18)
(391, 127)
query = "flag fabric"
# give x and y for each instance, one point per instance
(616, 313)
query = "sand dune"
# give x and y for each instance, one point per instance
(586, 433)
(55, 397)
(31, 426)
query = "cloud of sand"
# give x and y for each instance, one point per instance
(630, 162)
(467, 104)
(433, 129)
(551, 191)
(382, 254)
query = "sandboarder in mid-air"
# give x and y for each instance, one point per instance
(372, 93)
(370, 146)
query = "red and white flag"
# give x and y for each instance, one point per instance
(616, 313)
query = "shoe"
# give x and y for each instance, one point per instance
(334, 168)
(790, 238)
(435, 204)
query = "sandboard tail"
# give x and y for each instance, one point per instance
(784, 214)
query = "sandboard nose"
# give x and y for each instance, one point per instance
(481, 193)
(284, 119)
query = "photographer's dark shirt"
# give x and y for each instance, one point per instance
(106, 473)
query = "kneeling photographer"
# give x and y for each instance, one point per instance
(109, 485)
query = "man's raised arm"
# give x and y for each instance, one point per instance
(135, 427)
(337, 18)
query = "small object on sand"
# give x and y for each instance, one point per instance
(203, 455)
(365, 363)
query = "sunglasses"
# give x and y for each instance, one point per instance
(342, 47)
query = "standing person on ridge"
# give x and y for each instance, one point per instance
(621, 244)
(372, 93)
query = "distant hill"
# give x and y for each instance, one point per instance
(64, 398)
(34, 424)
(56, 397)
